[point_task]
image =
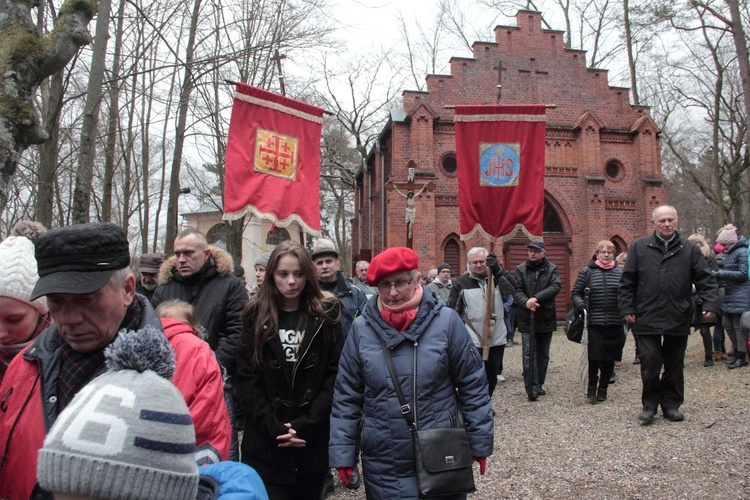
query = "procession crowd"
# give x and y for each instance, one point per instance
(188, 382)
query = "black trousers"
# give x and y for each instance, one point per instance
(494, 365)
(600, 372)
(534, 379)
(662, 388)
(309, 486)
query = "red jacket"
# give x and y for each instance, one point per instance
(28, 397)
(198, 377)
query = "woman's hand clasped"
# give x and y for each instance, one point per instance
(290, 439)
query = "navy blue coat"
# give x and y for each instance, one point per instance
(366, 411)
(735, 279)
(352, 299)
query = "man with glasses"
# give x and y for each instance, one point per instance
(537, 285)
(468, 297)
(655, 298)
(442, 284)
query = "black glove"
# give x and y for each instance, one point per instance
(581, 308)
(492, 263)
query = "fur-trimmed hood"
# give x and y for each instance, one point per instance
(222, 259)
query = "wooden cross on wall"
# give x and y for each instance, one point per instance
(410, 190)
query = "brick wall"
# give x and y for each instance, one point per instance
(592, 125)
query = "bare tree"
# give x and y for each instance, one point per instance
(359, 94)
(89, 131)
(30, 58)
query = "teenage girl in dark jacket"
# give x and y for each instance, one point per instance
(287, 365)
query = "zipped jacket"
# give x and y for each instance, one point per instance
(218, 297)
(657, 285)
(603, 284)
(366, 410)
(735, 279)
(538, 280)
(468, 298)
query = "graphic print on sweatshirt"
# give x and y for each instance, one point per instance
(291, 334)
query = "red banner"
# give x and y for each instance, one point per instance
(500, 155)
(273, 159)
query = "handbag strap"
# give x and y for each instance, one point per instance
(406, 409)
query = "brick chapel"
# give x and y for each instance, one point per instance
(603, 170)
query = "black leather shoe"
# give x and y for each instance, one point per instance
(737, 363)
(674, 415)
(328, 486)
(539, 391)
(355, 480)
(646, 416)
(533, 397)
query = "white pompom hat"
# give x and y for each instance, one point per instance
(18, 272)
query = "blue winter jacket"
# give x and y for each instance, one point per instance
(231, 481)
(735, 279)
(366, 411)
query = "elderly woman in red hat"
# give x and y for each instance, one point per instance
(424, 338)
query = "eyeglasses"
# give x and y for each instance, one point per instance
(384, 287)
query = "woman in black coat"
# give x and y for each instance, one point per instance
(699, 322)
(606, 336)
(286, 367)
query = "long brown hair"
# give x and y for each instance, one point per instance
(265, 303)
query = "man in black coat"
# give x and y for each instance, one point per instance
(655, 297)
(537, 285)
(203, 276)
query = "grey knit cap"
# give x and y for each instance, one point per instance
(263, 259)
(127, 435)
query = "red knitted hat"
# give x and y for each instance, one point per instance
(392, 260)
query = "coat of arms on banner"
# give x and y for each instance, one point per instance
(499, 164)
(275, 154)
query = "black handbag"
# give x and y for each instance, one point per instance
(574, 325)
(443, 456)
(576, 320)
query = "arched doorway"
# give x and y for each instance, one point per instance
(620, 245)
(452, 253)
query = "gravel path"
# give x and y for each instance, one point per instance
(560, 447)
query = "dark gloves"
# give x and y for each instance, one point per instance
(493, 264)
(581, 308)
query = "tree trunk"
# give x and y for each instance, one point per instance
(85, 174)
(631, 55)
(110, 149)
(52, 94)
(743, 60)
(187, 89)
